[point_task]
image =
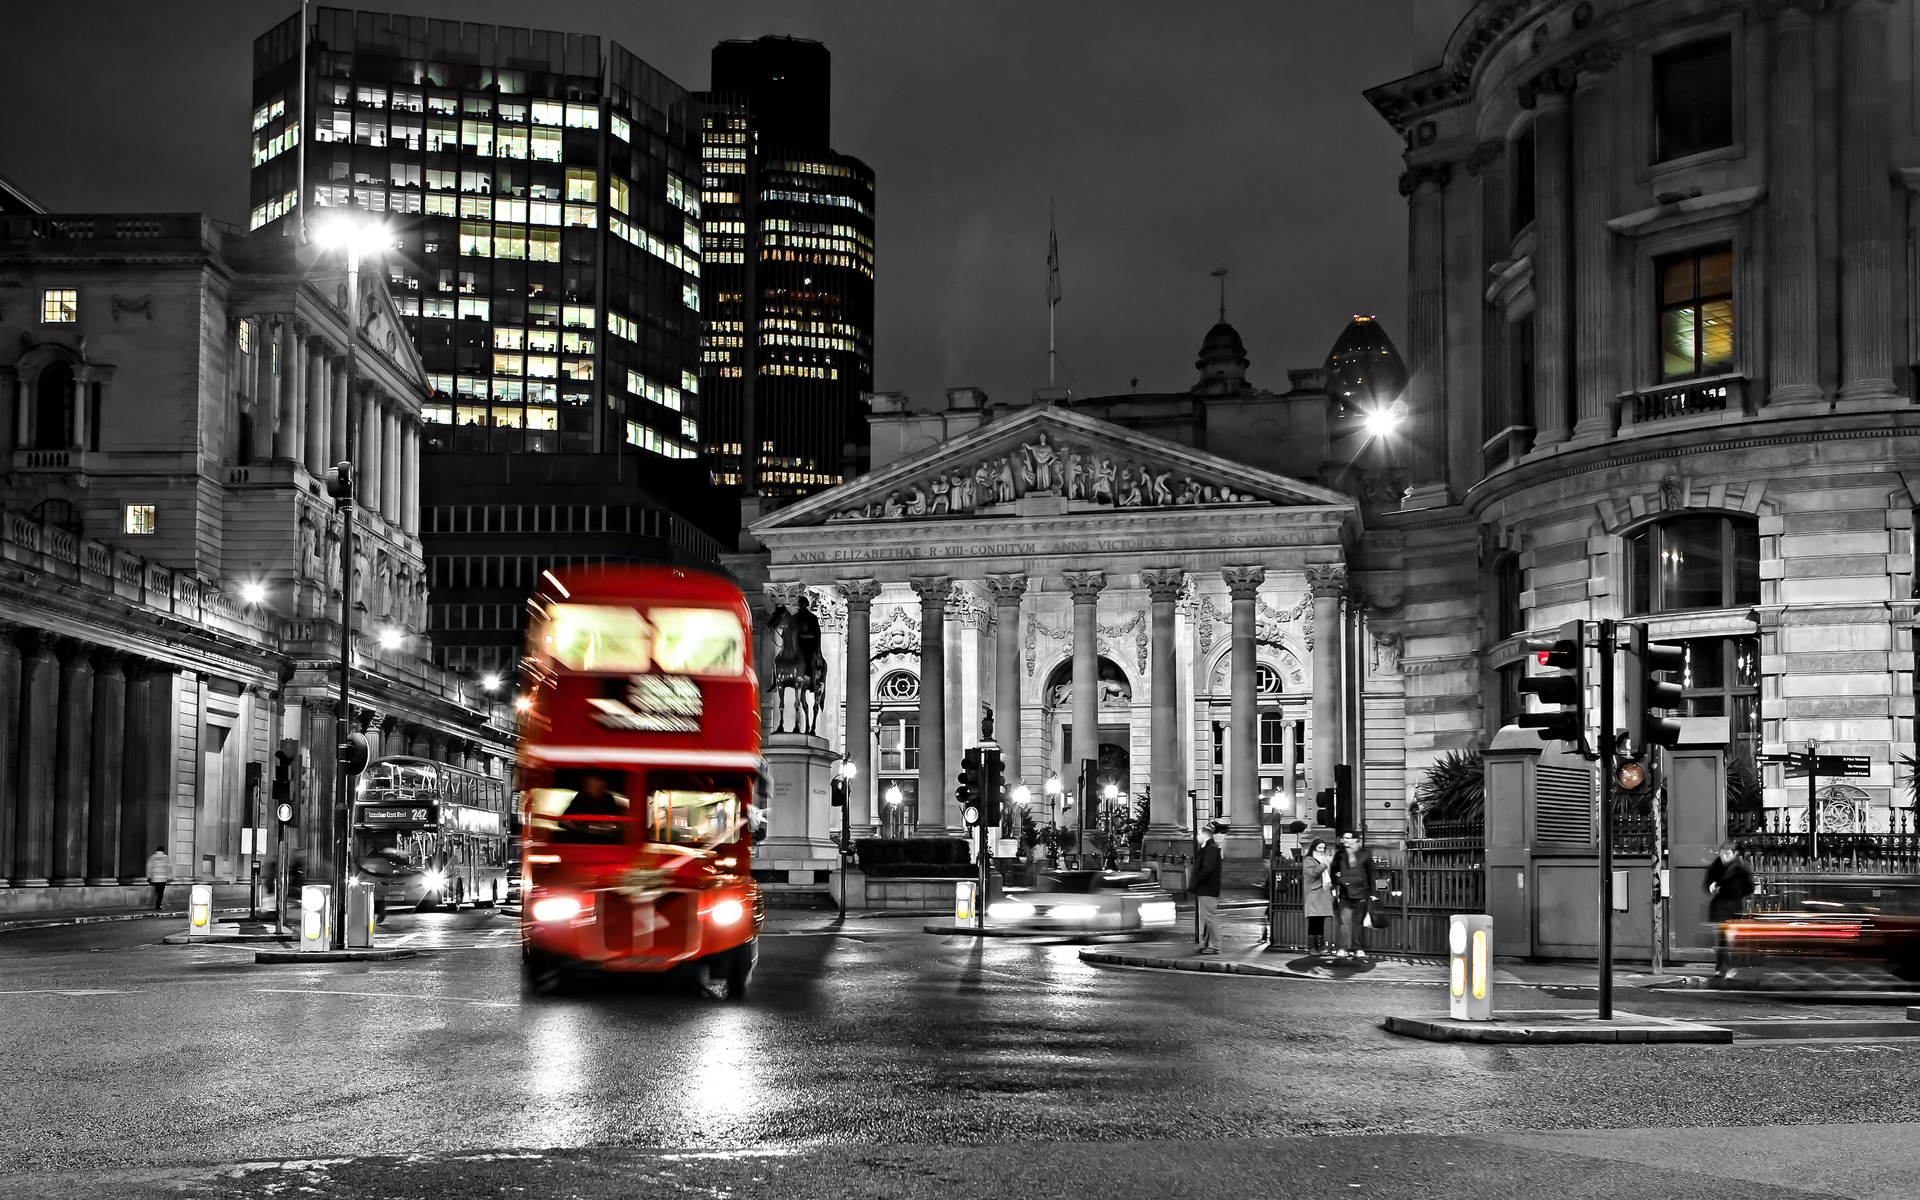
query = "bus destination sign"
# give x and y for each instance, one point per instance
(397, 814)
(654, 704)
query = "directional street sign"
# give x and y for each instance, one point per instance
(1824, 765)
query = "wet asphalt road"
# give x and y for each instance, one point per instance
(876, 1060)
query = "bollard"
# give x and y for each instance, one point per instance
(963, 901)
(360, 915)
(1470, 967)
(316, 910)
(200, 911)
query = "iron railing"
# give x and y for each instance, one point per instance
(1423, 886)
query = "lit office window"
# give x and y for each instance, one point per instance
(1696, 313)
(139, 519)
(60, 306)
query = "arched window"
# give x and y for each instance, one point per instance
(53, 408)
(1706, 561)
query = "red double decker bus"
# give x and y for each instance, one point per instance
(639, 753)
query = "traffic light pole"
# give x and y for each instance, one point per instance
(1608, 747)
(343, 792)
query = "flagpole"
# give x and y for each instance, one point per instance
(1053, 288)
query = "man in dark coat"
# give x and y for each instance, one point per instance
(1729, 883)
(1206, 887)
(1352, 889)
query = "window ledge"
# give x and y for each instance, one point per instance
(1687, 212)
(1688, 404)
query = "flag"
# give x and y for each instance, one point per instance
(1053, 260)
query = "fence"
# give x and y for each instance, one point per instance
(1771, 854)
(1425, 882)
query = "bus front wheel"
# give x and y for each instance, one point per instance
(735, 969)
(540, 972)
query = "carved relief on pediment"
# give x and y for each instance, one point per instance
(1045, 466)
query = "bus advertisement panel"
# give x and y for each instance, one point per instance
(640, 754)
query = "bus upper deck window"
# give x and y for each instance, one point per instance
(597, 637)
(698, 641)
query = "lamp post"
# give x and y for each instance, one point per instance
(353, 235)
(1110, 793)
(843, 776)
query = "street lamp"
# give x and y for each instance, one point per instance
(252, 592)
(490, 682)
(1110, 793)
(391, 639)
(355, 235)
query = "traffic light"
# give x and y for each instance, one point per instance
(972, 784)
(355, 754)
(1342, 798)
(838, 787)
(1648, 697)
(340, 481)
(1324, 808)
(283, 760)
(1567, 691)
(993, 785)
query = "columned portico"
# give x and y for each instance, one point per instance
(1243, 769)
(859, 595)
(1163, 586)
(933, 819)
(1329, 582)
(1007, 589)
(1085, 587)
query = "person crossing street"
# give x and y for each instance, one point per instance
(1206, 888)
(159, 872)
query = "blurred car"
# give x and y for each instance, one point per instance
(1085, 902)
(1827, 930)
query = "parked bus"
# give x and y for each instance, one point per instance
(428, 834)
(639, 756)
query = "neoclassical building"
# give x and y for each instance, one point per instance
(1174, 587)
(171, 394)
(1663, 332)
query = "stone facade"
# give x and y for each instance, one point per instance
(1597, 191)
(169, 557)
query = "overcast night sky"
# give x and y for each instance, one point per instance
(1176, 138)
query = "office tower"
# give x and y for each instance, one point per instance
(789, 301)
(544, 201)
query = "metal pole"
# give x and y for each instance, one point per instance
(1606, 727)
(1813, 801)
(1659, 907)
(343, 794)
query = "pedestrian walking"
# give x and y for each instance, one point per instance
(1729, 883)
(1316, 893)
(1353, 885)
(1206, 887)
(159, 872)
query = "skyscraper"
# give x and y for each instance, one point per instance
(788, 351)
(544, 201)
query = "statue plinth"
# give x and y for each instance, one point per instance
(801, 818)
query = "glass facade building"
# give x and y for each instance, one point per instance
(789, 260)
(544, 197)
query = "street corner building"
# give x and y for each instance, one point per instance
(170, 575)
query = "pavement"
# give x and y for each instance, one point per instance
(874, 1060)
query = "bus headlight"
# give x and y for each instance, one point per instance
(435, 880)
(556, 908)
(727, 911)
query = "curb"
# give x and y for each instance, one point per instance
(225, 939)
(1441, 1029)
(105, 919)
(1210, 966)
(377, 954)
(1050, 934)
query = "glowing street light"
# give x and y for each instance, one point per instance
(490, 682)
(253, 593)
(893, 795)
(1023, 795)
(1381, 422)
(392, 639)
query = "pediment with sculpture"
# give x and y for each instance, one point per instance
(1081, 463)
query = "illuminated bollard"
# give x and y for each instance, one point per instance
(963, 900)
(360, 915)
(316, 913)
(200, 911)
(1470, 967)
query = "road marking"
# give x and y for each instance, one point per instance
(386, 996)
(404, 938)
(68, 992)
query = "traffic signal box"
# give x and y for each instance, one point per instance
(340, 481)
(993, 786)
(1650, 698)
(1565, 691)
(972, 786)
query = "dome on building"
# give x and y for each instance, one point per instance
(1223, 359)
(1364, 365)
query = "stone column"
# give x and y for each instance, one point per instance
(935, 787)
(1007, 591)
(109, 764)
(288, 414)
(1427, 331)
(1488, 163)
(410, 477)
(1167, 779)
(1593, 125)
(39, 723)
(860, 595)
(1243, 712)
(337, 422)
(1289, 768)
(390, 465)
(368, 453)
(1327, 582)
(73, 761)
(319, 402)
(1793, 302)
(140, 827)
(10, 705)
(1866, 268)
(1550, 271)
(1085, 587)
